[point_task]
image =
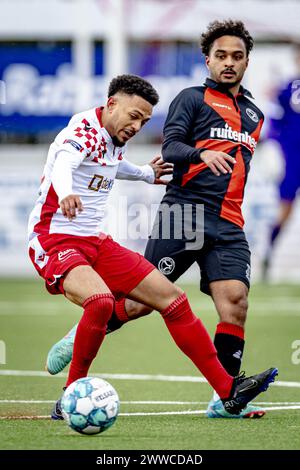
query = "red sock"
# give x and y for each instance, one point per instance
(192, 338)
(120, 310)
(90, 334)
(230, 329)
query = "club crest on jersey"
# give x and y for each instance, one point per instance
(100, 183)
(87, 126)
(252, 114)
(166, 265)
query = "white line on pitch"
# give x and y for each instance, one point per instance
(197, 412)
(275, 408)
(158, 413)
(27, 308)
(156, 402)
(159, 377)
(25, 417)
(27, 401)
(140, 402)
(162, 413)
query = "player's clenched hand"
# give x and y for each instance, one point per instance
(160, 169)
(217, 161)
(70, 205)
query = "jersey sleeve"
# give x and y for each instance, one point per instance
(130, 171)
(61, 177)
(177, 129)
(79, 138)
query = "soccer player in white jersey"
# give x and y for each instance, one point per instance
(69, 250)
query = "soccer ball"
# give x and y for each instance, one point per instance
(90, 405)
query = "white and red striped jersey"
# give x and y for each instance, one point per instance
(82, 160)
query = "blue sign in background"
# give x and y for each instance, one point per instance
(45, 58)
(165, 59)
(40, 81)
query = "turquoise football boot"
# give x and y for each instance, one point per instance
(216, 410)
(61, 353)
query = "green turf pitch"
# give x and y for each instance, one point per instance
(31, 320)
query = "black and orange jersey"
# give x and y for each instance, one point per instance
(209, 117)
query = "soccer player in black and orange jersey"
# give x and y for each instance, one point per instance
(210, 135)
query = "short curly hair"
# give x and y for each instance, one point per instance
(217, 29)
(133, 85)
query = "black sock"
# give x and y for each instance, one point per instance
(230, 351)
(114, 323)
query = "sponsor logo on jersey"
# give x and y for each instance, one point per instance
(63, 255)
(227, 133)
(252, 114)
(75, 144)
(166, 265)
(219, 105)
(100, 183)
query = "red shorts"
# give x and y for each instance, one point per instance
(55, 255)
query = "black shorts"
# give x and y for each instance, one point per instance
(223, 254)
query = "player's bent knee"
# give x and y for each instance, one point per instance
(240, 304)
(237, 310)
(173, 294)
(74, 299)
(136, 310)
(100, 308)
(177, 292)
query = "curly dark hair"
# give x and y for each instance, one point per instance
(216, 29)
(133, 85)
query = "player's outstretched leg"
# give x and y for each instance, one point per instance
(60, 354)
(88, 338)
(192, 338)
(85, 287)
(188, 333)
